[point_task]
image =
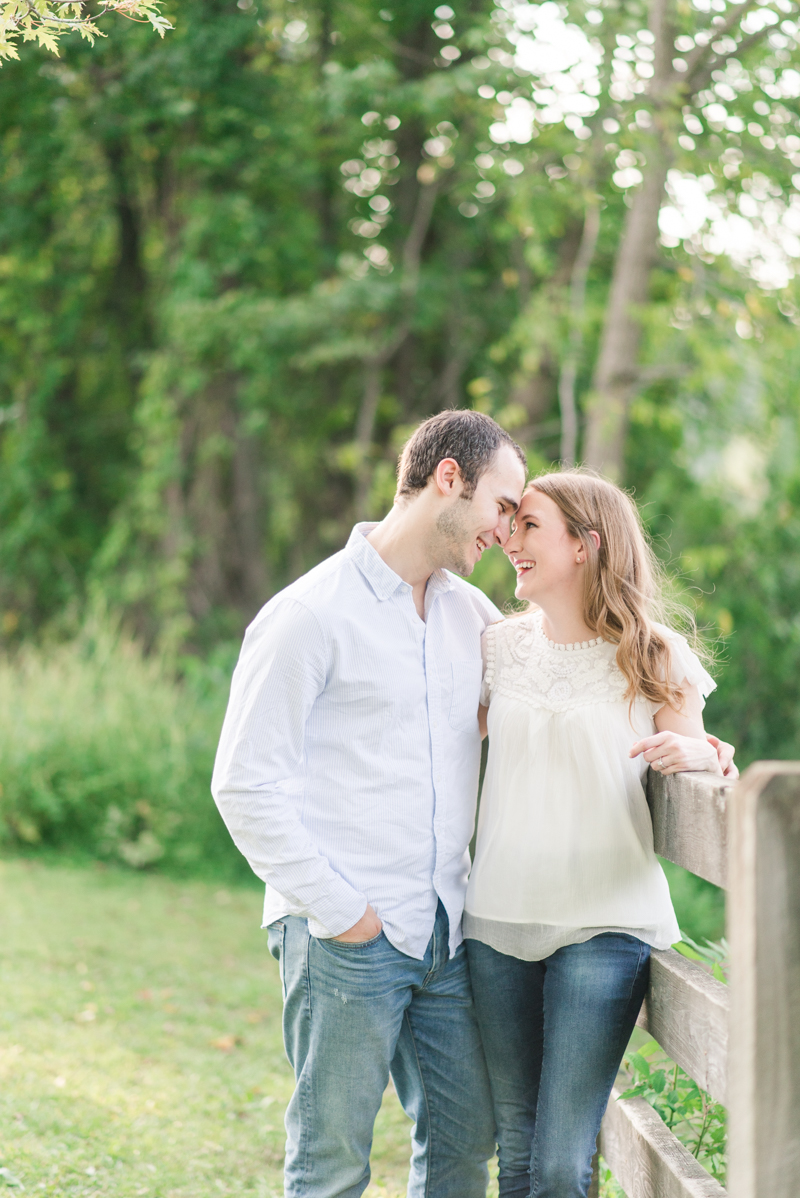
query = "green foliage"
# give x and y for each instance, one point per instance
(713, 955)
(699, 906)
(239, 264)
(686, 1109)
(46, 23)
(104, 753)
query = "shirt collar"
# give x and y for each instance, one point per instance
(381, 577)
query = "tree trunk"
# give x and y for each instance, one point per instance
(618, 364)
(617, 370)
(577, 306)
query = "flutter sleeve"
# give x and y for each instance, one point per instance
(686, 664)
(488, 654)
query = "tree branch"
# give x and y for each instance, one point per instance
(701, 65)
(700, 53)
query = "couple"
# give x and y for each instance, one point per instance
(347, 774)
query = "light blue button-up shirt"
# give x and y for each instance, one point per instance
(347, 770)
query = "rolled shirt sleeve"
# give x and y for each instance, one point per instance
(259, 774)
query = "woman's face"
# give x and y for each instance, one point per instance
(546, 558)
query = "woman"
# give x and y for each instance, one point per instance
(566, 896)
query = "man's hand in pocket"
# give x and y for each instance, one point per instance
(367, 928)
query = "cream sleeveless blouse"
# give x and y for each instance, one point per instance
(565, 839)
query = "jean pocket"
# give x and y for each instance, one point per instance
(276, 942)
(349, 946)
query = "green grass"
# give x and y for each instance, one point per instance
(140, 1040)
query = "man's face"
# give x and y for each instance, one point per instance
(466, 527)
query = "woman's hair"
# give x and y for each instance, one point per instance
(623, 579)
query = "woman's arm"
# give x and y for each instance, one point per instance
(482, 711)
(680, 743)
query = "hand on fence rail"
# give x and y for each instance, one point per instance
(725, 754)
(671, 753)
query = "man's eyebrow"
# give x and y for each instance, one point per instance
(512, 503)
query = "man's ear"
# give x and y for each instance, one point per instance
(447, 477)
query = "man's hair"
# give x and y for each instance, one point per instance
(470, 438)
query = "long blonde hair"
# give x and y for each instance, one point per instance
(623, 579)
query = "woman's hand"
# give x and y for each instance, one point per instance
(672, 753)
(725, 754)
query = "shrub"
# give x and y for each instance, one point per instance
(106, 751)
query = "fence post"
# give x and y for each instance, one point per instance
(764, 934)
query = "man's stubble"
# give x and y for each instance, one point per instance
(453, 536)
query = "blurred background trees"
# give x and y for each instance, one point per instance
(239, 264)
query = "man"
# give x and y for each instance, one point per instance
(347, 774)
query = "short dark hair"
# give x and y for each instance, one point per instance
(470, 438)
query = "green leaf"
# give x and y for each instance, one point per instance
(638, 1063)
(658, 1081)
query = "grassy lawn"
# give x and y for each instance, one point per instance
(140, 1038)
(140, 1041)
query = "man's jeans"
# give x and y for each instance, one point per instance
(554, 1033)
(353, 1014)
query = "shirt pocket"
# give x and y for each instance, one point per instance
(465, 695)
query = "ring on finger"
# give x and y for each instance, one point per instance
(661, 763)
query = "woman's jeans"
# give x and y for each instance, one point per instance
(554, 1033)
(353, 1014)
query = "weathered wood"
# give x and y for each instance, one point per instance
(690, 822)
(764, 934)
(646, 1158)
(686, 1011)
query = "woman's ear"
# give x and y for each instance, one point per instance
(595, 536)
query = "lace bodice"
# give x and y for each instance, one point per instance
(521, 664)
(565, 839)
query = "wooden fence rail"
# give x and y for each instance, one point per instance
(740, 1043)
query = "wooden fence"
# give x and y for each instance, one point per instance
(741, 1043)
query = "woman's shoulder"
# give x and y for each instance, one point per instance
(503, 647)
(512, 628)
(669, 634)
(685, 664)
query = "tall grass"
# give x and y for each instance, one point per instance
(107, 752)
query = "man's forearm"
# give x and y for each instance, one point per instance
(270, 836)
(259, 773)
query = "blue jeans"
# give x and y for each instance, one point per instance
(353, 1014)
(554, 1033)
